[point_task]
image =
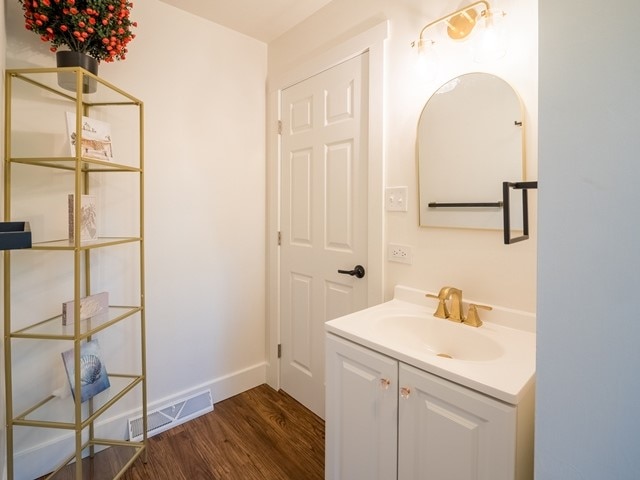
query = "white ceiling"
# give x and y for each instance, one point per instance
(264, 20)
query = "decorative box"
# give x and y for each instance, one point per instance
(14, 235)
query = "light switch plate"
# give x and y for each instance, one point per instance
(395, 199)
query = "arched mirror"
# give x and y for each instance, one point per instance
(470, 140)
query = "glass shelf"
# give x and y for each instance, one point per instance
(47, 79)
(102, 466)
(52, 328)
(85, 245)
(69, 163)
(62, 409)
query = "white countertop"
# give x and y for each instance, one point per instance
(507, 375)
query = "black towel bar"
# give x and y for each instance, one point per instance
(524, 186)
(467, 204)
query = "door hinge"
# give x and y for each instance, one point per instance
(279, 127)
(279, 238)
(279, 350)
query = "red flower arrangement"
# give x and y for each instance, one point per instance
(98, 28)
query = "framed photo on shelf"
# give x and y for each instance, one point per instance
(96, 138)
(88, 217)
(90, 306)
(93, 374)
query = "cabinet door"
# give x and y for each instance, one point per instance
(361, 413)
(448, 432)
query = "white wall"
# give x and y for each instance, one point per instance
(589, 267)
(204, 92)
(475, 261)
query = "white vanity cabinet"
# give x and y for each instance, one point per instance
(361, 413)
(447, 431)
(388, 420)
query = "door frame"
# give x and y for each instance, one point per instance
(371, 40)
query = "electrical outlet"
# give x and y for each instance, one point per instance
(400, 253)
(396, 199)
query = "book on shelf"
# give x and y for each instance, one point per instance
(90, 306)
(88, 217)
(93, 373)
(96, 138)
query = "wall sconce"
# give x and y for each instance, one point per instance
(491, 43)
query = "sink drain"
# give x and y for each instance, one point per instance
(444, 355)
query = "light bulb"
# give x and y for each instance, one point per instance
(427, 60)
(491, 42)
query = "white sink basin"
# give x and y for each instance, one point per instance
(440, 337)
(497, 359)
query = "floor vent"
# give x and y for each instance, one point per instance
(171, 416)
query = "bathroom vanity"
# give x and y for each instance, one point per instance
(411, 396)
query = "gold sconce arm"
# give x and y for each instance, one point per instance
(454, 32)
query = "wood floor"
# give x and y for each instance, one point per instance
(260, 434)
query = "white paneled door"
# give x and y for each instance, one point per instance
(323, 218)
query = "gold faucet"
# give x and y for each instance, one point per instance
(454, 311)
(473, 319)
(453, 294)
(455, 314)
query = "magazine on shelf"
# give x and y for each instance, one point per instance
(96, 138)
(90, 306)
(88, 217)
(93, 374)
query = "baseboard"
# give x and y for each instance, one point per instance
(43, 458)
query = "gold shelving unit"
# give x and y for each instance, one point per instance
(51, 412)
